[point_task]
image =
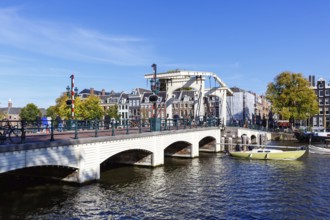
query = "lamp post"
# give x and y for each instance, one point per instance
(71, 93)
(154, 88)
(154, 98)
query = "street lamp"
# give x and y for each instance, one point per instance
(155, 123)
(155, 89)
(72, 94)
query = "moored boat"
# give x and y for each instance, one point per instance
(268, 154)
(317, 135)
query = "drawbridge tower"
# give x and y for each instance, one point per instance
(195, 81)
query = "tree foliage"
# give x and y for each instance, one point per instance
(30, 112)
(89, 108)
(51, 112)
(291, 96)
(113, 112)
(86, 109)
(64, 110)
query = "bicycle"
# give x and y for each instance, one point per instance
(134, 124)
(13, 133)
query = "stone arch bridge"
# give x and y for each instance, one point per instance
(81, 160)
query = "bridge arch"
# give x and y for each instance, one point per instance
(179, 149)
(53, 172)
(254, 139)
(207, 144)
(245, 139)
(132, 156)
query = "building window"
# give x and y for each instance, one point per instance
(327, 92)
(321, 93)
(320, 101)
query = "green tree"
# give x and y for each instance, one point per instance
(113, 112)
(89, 108)
(64, 110)
(30, 112)
(291, 96)
(51, 112)
(61, 107)
(86, 109)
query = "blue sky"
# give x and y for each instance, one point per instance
(110, 44)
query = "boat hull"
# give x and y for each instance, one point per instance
(285, 155)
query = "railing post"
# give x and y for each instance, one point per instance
(76, 130)
(96, 128)
(127, 126)
(140, 125)
(23, 132)
(52, 130)
(165, 124)
(112, 129)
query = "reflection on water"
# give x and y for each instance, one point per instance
(213, 186)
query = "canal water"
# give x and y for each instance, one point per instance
(213, 186)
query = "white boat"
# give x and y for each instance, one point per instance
(318, 150)
(322, 135)
(268, 154)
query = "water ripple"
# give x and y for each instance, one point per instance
(209, 187)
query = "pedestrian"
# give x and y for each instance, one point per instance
(49, 125)
(44, 123)
(59, 123)
(106, 121)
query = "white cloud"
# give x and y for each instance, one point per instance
(71, 42)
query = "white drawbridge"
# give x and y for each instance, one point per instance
(178, 79)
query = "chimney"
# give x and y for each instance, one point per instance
(103, 92)
(91, 92)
